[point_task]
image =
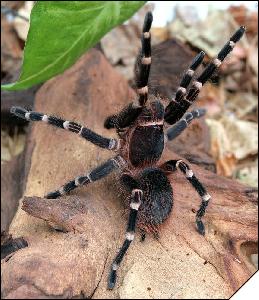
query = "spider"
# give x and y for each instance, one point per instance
(142, 138)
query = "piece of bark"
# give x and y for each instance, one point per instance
(11, 189)
(181, 264)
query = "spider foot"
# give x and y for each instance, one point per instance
(112, 279)
(200, 227)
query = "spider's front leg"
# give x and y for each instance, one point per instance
(142, 69)
(84, 132)
(173, 165)
(176, 104)
(136, 200)
(176, 109)
(96, 174)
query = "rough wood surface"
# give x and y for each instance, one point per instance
(75, 263)
(11, 189)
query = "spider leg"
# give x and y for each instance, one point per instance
(174, 111)
(171, 166)
(143, 64)
(175, 103)
(136, 200)
(142, 70)
(124, 118)
(84, 132)
(179, 126)
(103, 170)
(181, 91)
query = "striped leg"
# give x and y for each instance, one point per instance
(173, 165)
(84, 132)
(134, 206)
(144, 61)
(173, 111)
(179, 126)
(175, 104)
(181, 91)
(129, 114)
(96, 174)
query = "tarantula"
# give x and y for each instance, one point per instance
(140, 127)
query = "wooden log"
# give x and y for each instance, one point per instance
(11, 189)
(75, 263)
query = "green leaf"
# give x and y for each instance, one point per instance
(61, 31)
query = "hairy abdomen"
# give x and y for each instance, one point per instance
(157, 197)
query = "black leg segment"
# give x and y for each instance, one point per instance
(175, 110)
(179, 126)
(124, 118)
(84, 132)
(173, 165)
(135, 203)
(176, 104)
(143, 63)
(96, 174)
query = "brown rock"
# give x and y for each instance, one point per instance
(182, 264)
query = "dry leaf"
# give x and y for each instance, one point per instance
(242, 135)
(208, 35)
(21, 25)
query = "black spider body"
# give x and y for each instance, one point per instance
(142, 139)
(158, 195)
(143, 145)
(146, 137)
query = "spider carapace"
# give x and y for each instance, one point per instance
(142, 139)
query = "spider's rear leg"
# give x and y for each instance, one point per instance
(136, 200)
(182, 124)
(175, 110)
(84, 132)
(173, 165)
(96, 174)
